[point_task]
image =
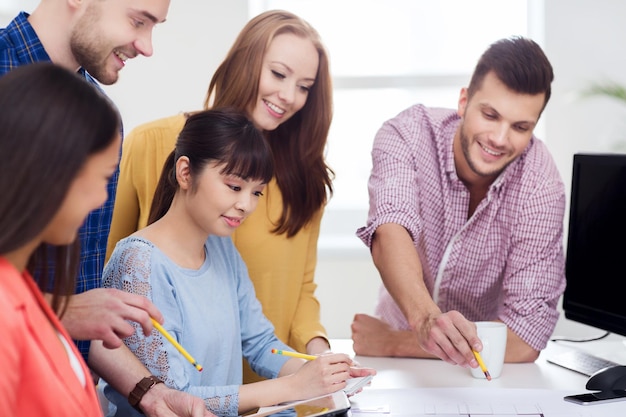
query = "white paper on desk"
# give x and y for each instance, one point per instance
(355, 384)
(482, 402)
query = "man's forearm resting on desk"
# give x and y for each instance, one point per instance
(373, 337)
(518, 351)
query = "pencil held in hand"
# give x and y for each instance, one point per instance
(176, 344)
(482, 365)
(294, 354)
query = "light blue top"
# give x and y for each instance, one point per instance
(212, 312)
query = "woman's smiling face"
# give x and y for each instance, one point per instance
(289, 69)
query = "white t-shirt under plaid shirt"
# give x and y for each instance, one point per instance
(506, 262)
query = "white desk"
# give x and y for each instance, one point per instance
(409, 381)
(419, 373)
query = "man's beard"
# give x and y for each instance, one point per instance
(465, 146)
(89, 51)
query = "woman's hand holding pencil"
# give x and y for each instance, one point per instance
(294, 354)
(327, 372)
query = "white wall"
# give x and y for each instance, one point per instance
(188, 47)
(583, 39)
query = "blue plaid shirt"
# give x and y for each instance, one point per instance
(20, 45)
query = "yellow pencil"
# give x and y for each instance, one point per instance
(176, 344)
(294, 354)
(482, 365)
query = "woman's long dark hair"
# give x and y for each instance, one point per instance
(51, 122)
(225, 136)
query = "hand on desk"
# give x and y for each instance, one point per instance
(374, 337)
(451, 337)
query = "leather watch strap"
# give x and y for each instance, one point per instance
(140, 390)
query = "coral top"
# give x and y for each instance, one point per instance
(37, 378)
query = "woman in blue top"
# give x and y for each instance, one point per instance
(186, 264)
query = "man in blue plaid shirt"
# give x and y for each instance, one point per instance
(96, 38)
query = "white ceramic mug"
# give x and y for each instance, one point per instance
(493, 336)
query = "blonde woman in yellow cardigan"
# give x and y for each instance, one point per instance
(277, 71)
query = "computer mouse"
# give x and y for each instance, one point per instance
(611, 378)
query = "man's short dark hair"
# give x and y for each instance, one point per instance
(519, 63)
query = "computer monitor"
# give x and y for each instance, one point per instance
(596, 243)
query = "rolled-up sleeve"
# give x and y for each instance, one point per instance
(534, 278)
(393, 182)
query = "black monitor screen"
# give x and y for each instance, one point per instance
(596, 244)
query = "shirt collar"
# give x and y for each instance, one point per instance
(449, 151)
(23, 36)
(22, 33)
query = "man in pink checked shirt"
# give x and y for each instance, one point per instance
(466, 218)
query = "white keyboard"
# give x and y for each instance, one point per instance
(578, 361)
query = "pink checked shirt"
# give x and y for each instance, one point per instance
(506, 262)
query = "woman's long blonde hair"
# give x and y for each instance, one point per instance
(298, 145)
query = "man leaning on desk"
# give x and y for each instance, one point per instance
(466, 218)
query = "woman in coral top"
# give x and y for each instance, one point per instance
(60, 141)
(277, 71)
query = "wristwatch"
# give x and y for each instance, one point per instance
(140, 390)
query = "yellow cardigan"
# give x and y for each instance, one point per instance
(282, 270)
